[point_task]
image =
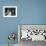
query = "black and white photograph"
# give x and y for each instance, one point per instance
(10, 11)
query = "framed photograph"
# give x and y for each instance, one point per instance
(9, 11)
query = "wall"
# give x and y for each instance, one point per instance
(29, 12)
(7, 25)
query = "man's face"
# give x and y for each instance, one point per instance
(8, 10)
